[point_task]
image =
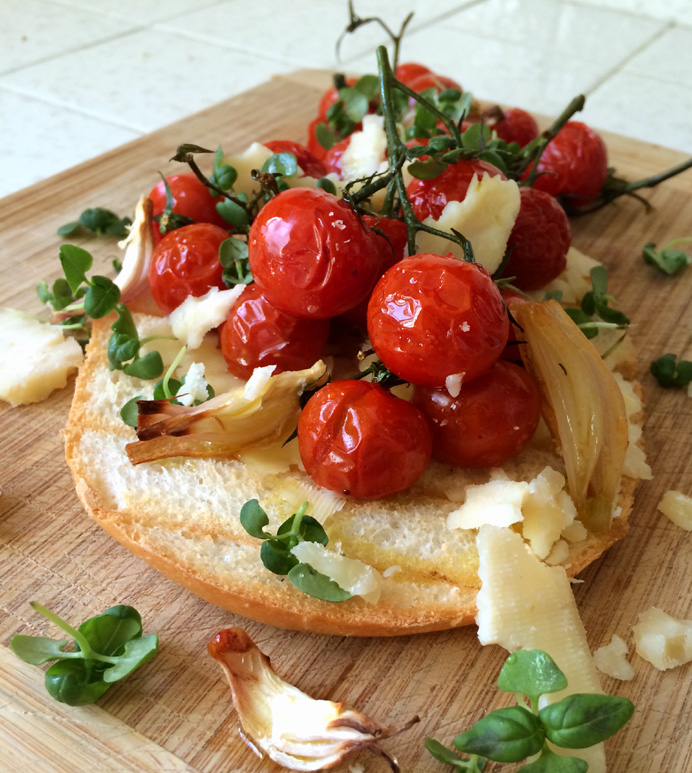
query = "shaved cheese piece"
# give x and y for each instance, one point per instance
(485, 217)
(635, 459)
(663, 640)
(524, 604)
(574, 282)
(271, 460)
(35, 358)
(612, 661)
(253, 158)
(559, 554)
(391, 570)
(496, 502)
(196, 316)
(195, 389)
(258, 381)
(575, 532)
(678, 507)
(367, 150)
(354, 576)
(453, 384)
(547, 511)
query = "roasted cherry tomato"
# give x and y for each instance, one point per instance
(575, 163)
(489, 422)
(429, 80)
(332, 158)
(432, 316)
(539, 241)
(356, 438)
(314, 145)
(429, 197)
(407, 71)
(256, 334)
(514, 125)
(186, 262)
(192, 199)
(311, 255)
(310, 165)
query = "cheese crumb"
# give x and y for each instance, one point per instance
(35, 358)
(663, 640)
(391, 570)
(678, 507)
(195, 389)
(453, 384)
(497, 502)
(367, 150)
(611, 660)
(195, 317)
(257, 381)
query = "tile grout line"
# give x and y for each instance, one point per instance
(629, 57)
(11, 89)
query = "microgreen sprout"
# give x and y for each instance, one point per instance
(667, 260)
(99, 221)
(515, 733)
(107, 648)
(671, 372)
(276, 555)
(233, 256)
(124, 348)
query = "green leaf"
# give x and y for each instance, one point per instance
(37, 649)
(355, 103)
(310, 529)
(136, 653)
(173, 387)
(231, 250)
(75, 263)
(130, 411)
(68, 682)
(326, 185)
(325, 136)
(108, 634)
(124, 324)
(579, 721)
(494, 158)
(121, 349)
(445, 755)
(253, 519)
(505, 735)
(427, 170)
(588, 303)
(43, 292)
(69, 229)
(531, 672)
(147, 367)
(102, 221)
(441, 143)
(284, 164)
(369, 85)
(668, 262)
(277, 557)
(316, 584)
(670, 373)
(475, 135)
(549, 762)
(232, 213)
(101, 297)
(580, 318)
(607, 314)
(553, 295)
(599, 279)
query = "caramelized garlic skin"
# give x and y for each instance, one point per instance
(293, 729)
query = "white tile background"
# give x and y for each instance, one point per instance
(78, 77)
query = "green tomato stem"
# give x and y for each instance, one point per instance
(682, 240)
(146, 340)
(295, 529)
(171, 371)
(452, 127)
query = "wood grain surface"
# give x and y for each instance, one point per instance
(176, 713)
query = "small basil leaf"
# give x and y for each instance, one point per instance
(284, 164)
(531, 672)
(326, 185)
(505, 735)
(427, 170)
(147, 367)
(355, 103)
(130, 411)
(611, 315)
(37, 649)
(669, 262)
(325, 136)
(107, 634)
(253, 519)
(232, 213)
(311, 530)
(231, 250)
(441, 143)
(449, 95)
(599, 279)
(476, 135)
(579, 720)
(43, 292)
(173, 387)
(75, 263)
(495, 159)
(276, 557)
(69, 229)
(124, 323)
(62, 294)
(369, 85)
(121, 349)
(549, 762)
(135, 654)
(316, 584)
(588, 303)
(101, 297)
(67, 682)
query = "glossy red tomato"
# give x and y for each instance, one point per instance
(310, 165)
(256, 334)
(516, 125)
(192, 199)
(430, 80)
(432, 316)
(311, 255)
(186, 262)
(575, 162)
(358, 439)
(332, 158)
(407, 71)
(538, 242)
(314, 145)
(429, 197)
(489, 422)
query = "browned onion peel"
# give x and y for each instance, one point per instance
(582, 405)
(293, 729)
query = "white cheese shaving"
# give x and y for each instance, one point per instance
(635, 459)
(485, 217)
(559, 554)
(367, 150)
(612, 660)
(678, 507)
(195, 389)
(253, 158)
(548, 510)
(524, 604)
(35, 358)
(391, 570)
(663, 640)
(497, 502)
(453, 384)
(354, 576)
(258, 381)
(196, 316)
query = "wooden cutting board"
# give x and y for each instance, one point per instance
(176, 713)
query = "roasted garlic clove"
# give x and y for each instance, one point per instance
(293, 729)
(138, 245)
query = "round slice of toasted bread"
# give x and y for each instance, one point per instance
(182, 515)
